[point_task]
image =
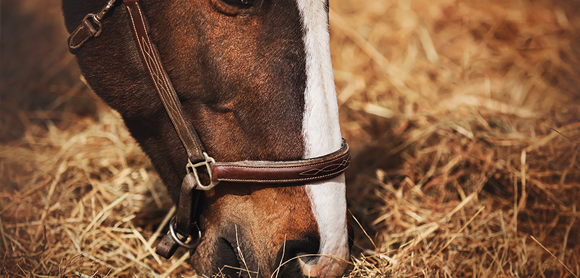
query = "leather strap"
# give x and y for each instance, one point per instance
(319, 168)
(183, 221)
(150, 56)
(83, 33)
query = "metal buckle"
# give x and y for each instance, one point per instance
(95, 20)
(207, 163)
(178, 241)
(98, 17)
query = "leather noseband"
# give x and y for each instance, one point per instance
(270, 172)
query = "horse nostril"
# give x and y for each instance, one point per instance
(294, 253)
(227, 260)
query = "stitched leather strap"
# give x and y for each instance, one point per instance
(150, 58)
(319, 168)
(83, 33)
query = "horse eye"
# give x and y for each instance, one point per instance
(239, 3)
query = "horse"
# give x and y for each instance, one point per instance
(250, 85)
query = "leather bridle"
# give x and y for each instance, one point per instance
(203, 172)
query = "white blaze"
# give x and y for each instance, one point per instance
(321, 133)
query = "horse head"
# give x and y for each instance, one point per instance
(255, 79)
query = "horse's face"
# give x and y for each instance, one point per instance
(255, 79)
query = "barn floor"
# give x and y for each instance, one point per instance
(464, 119)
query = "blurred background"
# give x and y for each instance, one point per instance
(463, 117)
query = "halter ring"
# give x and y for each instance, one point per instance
(178, 241)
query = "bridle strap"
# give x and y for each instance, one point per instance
(150, 57)
(276, 172)
(185, 216)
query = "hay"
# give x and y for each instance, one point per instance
(82, 200)
(467, 120)
(463, 118)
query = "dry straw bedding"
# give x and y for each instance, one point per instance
(464, 119)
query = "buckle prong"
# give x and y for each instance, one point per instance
(207, 163)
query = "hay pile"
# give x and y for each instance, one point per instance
(467, 116)
(464, 119)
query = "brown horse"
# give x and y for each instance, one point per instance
(255, 78)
